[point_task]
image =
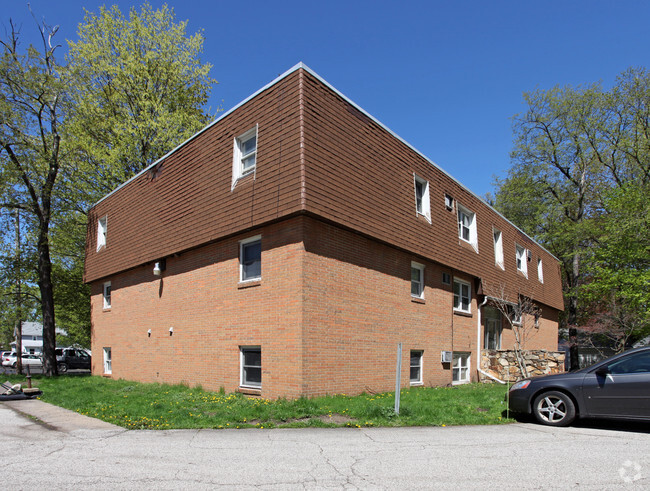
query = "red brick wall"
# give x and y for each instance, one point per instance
(199, 296)
(328, 314)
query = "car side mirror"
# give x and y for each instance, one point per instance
(603, 371)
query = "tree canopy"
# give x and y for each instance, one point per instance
(130, 91)
(139, 89)
(580, 155)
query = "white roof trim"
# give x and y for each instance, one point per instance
(349, 101)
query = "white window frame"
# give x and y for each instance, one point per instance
(242, 245)
(239, 157)
(106, 295)
(242, 381)
(102, 227)
(540, 270)
(492, 325)
(516, 315)
(458, 296)
(424, 207)
(420, 355)
(420, 282)
(521, 258)
(471, 227)
(498, 248)
(460, 367)
(108, 360)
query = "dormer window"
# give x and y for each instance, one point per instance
(498, 248)
(244, 155)
(522, 264)
(101, 233)
(422, 200)
(467, 226)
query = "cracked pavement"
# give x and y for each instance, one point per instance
(54, 448)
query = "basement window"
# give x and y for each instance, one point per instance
(108, 366)
(460, 368)
(251, 367)
(416, 367)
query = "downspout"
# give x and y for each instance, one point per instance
(478, 344)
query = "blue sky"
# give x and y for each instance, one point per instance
(445, 76)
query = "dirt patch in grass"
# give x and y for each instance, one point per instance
(336, 418)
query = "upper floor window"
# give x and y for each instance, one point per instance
(417, 280)
(107, 295)
(244, 155)
(467, 225)
(101, 232)
(522, 264)
(250, 259)
(498, 248)
(422, 200)
(462, 296)
(540, 270)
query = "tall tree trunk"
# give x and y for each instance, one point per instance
(47, 302)
(18, 330)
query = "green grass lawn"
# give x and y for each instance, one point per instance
(156, 406)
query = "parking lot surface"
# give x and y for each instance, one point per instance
(72, 451)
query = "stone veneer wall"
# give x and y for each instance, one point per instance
(503, 365)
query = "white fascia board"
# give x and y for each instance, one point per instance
(349, 101)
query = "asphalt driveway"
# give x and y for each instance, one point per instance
(72, 451)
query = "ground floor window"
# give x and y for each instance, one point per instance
(107, 361)
(251, 367)
(416, 367)
(460, 368)
(492, 331)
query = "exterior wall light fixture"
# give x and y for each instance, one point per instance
(159, 267)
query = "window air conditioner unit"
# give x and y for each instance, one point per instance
(445, 356)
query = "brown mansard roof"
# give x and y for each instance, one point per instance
(317, 153)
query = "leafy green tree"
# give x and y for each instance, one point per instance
(32, 93)
(139, 91)
(619, 287)
(573, 146)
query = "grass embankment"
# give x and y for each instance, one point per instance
(156, 406)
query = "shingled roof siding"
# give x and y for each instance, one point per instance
(357, 174)
(360, 176)
(190, 201)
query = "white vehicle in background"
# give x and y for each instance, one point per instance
(11, 360)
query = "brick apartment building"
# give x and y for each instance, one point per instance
(288, 247)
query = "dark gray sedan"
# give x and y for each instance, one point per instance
(618, 387)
